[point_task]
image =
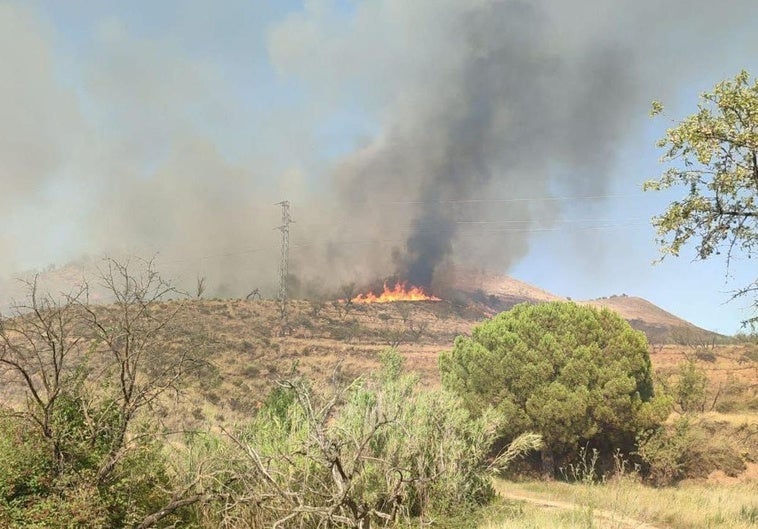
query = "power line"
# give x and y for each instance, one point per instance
(490, 231)
(487, 230)
(637, 221)
(564, 221)
(512, 199)
(609, 224)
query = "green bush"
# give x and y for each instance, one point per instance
(574, 374)
(26, 466)
(376, 452)
(46, 486)
(691, 387)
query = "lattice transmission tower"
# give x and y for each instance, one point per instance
(284, 263)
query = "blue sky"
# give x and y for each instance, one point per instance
(173, 127)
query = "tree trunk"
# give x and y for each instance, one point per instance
(548, 464)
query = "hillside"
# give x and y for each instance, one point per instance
(497, 288)
(242, 351)
(246, 353)
(491, 293)
(474, 293)
(659, 325)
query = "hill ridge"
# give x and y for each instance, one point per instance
(493, 292)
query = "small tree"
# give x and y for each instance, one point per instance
(573, 374)
(41, 352)
(129, 338)
(713, 154)
(81, 377)
(200, 287)
(690, 389)
(375, 452)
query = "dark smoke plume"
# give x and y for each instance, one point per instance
(493, 122)
(502, 99)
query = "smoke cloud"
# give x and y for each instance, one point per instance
(485, 102)
(408, 136)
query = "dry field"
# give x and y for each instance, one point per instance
(626, 503)
(246, 351)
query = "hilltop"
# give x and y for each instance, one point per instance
(492, 293)
(658, 325)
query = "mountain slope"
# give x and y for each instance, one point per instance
(473, 293)
(492, 293)
(659, 325)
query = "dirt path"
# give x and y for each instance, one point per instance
(599, 514)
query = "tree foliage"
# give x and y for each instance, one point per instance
(376, 452)
(573, 374)
(713, 155)
(76, 446)
(690, 390)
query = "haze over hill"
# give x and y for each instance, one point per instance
(479, 293)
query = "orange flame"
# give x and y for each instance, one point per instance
(400, 292)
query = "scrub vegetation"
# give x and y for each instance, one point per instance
(133, 414)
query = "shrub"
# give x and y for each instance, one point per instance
(574, 374)
(37, 491)
(686, 449)
(374, 452)
(26, 466)
(750, 355)
(690, 388)
(704, 355)
(80, 449)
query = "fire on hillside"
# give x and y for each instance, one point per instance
(400, 292)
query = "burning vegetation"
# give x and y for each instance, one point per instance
(400, 292)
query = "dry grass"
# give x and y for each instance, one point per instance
(688, 506)
(242, 339)
(246, 354)
(735, 420)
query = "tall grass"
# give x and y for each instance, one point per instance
(688, 506)
(534, 517)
